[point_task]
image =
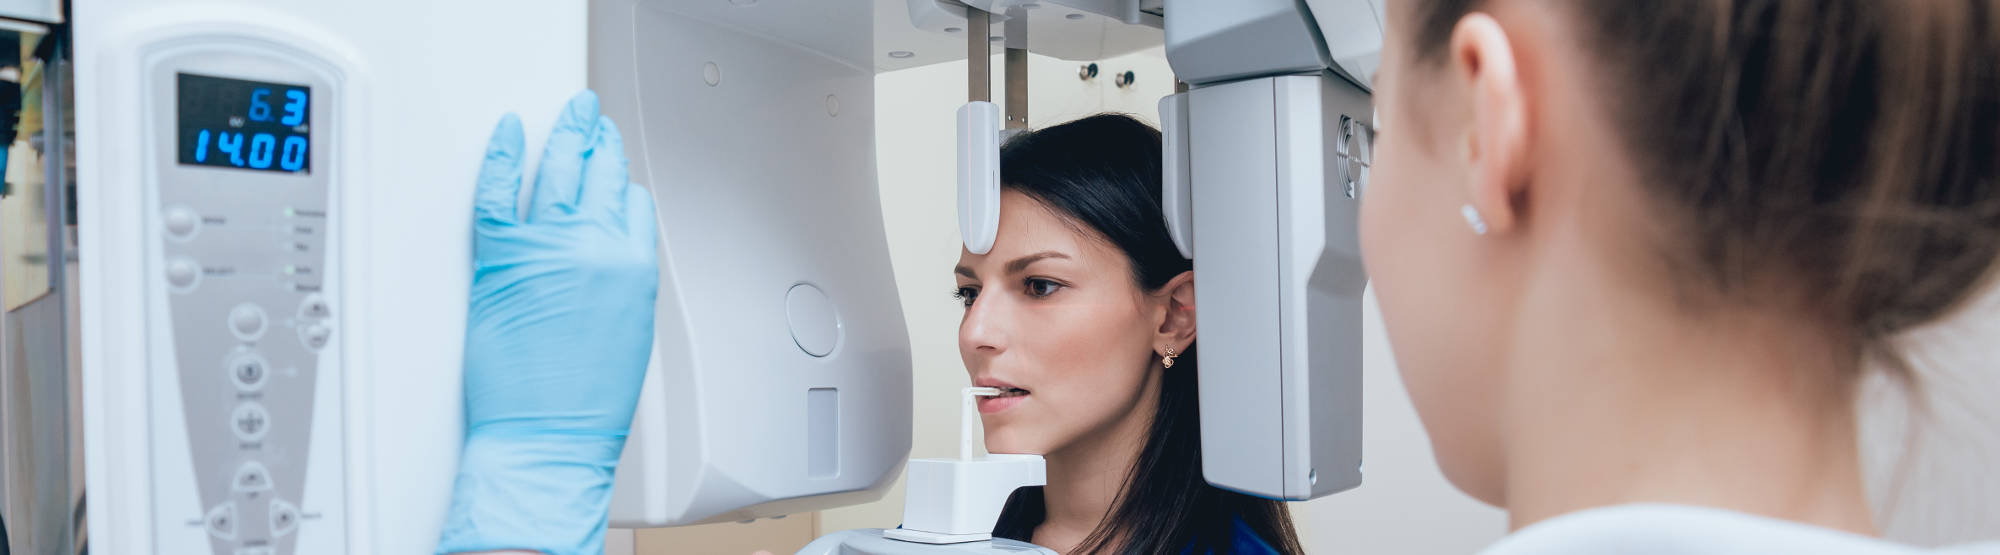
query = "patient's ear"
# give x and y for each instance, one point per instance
(1177, 327)
(1499, 144)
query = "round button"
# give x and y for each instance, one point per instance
(182, 222)
(251, 477)
(249, 372)
(314, 307)
(221, 520)
(250, 421)
(814, 322)
(247, 321)
(284, 517)
(183, 274)
(315, 336)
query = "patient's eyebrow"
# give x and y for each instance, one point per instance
(1022, 263)
(1016, 265)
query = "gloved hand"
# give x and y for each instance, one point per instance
(556, 344)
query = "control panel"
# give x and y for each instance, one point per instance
(242, 177)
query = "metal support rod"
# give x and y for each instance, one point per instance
(978, 56)
(58, 533)
(55, 167)
(1016, 68)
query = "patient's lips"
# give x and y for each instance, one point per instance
(1009, 396)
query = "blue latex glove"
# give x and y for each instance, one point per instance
(556, 344)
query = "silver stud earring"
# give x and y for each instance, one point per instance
(1472, 219)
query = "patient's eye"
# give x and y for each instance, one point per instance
(1039, 287)
(966, 295)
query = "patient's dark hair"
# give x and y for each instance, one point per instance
(1102, 174)
(1840, 156)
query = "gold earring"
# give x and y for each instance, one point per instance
(1168, 360)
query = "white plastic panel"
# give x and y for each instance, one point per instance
(931, 31)
(1321, 281)
(1352, 31)
(760, 188)
(1234, 175)
(979, 175)
(1280, 285)
(1212, 42)
(1176, 198)
(826, 27)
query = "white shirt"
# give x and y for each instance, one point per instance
(1681, 529)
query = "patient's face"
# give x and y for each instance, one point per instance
(1054, 317)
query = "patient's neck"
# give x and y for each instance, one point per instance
(1612, 400)
(1084, 477)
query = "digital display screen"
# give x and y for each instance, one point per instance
(252, 125)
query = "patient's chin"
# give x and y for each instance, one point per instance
(1009, 440)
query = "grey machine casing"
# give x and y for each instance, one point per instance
(1266, 160)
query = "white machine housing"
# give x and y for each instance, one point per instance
(781, 376)
(357, 426)
(1267, 156)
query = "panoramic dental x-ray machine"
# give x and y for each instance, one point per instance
(275, 265)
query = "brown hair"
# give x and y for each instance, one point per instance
(1845, 151)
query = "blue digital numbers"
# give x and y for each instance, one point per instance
(231, 143)
(201, 147)
(295, 107)
(260, 110)
(295, 154)
(232, 123)
(261, 148)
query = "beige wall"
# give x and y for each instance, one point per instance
(1931, 462)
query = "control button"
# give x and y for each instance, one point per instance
(315, 336)
(314, 308)
(183, 274)
(248, 371)
(250, 421)
(251, 477)
(221, 520)
(247, 320)
(182, 222)
(284, 517)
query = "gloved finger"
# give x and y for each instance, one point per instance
(640, 219)
(499, 185)
(562, 159)
(604, 175)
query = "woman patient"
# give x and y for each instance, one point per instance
(1083, 313)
